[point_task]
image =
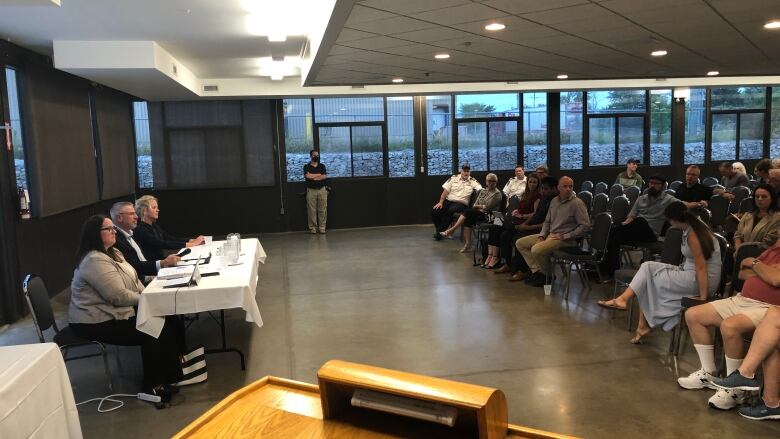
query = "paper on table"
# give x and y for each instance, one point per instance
(175, 272)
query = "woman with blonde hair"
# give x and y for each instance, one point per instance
(152, 239)
(488, 200)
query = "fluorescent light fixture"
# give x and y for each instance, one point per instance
(682, 93)
(659, 53)
(277, 69)
(442, 56)
(277, 38)
(398, 80)
(713, 73)
(495, 26)
(277, 77)
(774, 24)
(278, 20)
(562, 76)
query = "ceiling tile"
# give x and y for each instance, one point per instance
(407, 7)
(362, 14)
(348, 34)
(395, 25)
(526, 6)
(460, 14)
(375, 43)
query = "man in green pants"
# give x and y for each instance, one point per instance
(316, 193)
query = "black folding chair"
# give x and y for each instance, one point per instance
(587, 198)
(747, 205)
(37, 297)
(615, 191)
(740, 193)
(719, 209)
(587, 185)
(710, 181)
(600, 203)
(620, 209)
(580, 258)
(632, 192)
(600, 188)
(674, 185)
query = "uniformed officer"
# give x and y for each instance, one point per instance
(454, 199)
(516, 184)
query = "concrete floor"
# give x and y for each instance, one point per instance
(392, 297)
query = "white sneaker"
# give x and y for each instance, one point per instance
(697, 380)
(727, 399)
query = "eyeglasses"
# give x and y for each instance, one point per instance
(108, 229)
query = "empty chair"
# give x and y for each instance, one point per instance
(600, 188)
(37, 297)
(586, 198)
(719, 208)
(710, 181)
(615, 191)
(740, 193)
(670, 192)
(600, 203)
(703, 214)
(746, 205)
(753, 184)
(675, 184)
(620, 209)
(587, 185)
(579, 258)
(632, 192)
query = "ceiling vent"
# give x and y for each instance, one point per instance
(175, 70)
(211, 88)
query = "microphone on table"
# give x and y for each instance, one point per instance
(184, 252)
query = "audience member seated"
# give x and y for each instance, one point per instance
(516, 185)
(644, 224)
(762, 224)
(736, 316)
(104, 293)
(152, 239)
(762, 170)
(630, 177)
(763, 349)
(567, 220)
(659, 287)
(730, 179)
(532, 226)
(774, 179)
(542, 171)
(454, 199)
(125, 220)
(739, 167)
(488, 200)
(693, 193)
(527, 205)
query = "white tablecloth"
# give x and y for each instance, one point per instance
(235, 287)
(36, 400)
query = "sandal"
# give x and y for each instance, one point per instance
(637, 339)
(611, 304)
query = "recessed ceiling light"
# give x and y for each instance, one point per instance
(659, 53)
(277, 77)
(713, 73)
(774, 24)
(277, 38)
(442, 56)
(398, 80)
(495, 26)
(562, 76)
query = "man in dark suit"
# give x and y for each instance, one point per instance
(125, 220)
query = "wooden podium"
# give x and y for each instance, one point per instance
(278, 408)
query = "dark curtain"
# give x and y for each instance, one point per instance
(115, 125)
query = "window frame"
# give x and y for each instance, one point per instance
(350, 125)
(765, 141)
(645, 159)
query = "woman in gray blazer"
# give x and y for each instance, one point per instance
(104, 294)
(763, 223)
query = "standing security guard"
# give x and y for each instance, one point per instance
(316, 193)
(454, 199)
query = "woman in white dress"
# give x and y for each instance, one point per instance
(659, 287)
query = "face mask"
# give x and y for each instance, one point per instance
(315, 158)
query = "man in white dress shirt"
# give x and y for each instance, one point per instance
(125, 220)
(515, 186)
(454, 199)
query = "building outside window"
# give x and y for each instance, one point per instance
(534, 129)
(616, 123)
(143, 145)
(487, 130)
(298, 136)
(695, 126)
(571, 129)
(400, 136)
(438, 114)
(660, 127)
(774, 130)
(737, 123)
(17, 140)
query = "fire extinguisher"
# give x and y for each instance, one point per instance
(24, 203)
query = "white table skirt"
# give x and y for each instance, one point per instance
(235, 287)
(36, 400)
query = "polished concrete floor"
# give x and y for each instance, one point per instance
(392, 297)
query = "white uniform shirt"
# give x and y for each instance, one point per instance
(514, 187)
(460, 190)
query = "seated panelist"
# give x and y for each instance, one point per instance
(125, 221)
(152, 239)
(105, 291)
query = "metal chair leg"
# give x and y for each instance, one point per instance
(567, 273)
(108, 370)
(630, 306)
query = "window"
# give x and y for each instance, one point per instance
(660, 127)
(739, 98)
(616, 101)
(571, 130)
(601, 142)
(400, 136)
(16, 129)
(143, 145)
(351, 151)
(488, 145)
(363, 109)
(438, 113)
(774, 133)
(298, 136)
(695, 123)
(487, 105)
(472, 145)
(631, 135)
(738, 123)
(534, 129)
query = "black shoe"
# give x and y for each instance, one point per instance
(537, 280)
(437, 237)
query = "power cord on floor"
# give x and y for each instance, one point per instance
(109, 398)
